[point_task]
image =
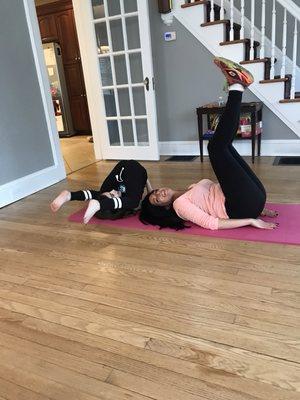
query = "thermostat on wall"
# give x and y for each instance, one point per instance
(169, 36)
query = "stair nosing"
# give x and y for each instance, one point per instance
(220, 21)
(246, 40)
(296, 100)
(257, 60)
(274, 80)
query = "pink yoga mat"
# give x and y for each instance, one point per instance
(288, 231)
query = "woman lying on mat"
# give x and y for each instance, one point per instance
(238, 199)
(120, 193)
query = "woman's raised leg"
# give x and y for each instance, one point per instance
(244, 197)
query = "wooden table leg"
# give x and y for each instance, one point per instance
(259, 144)
(259, 136)
(200, 132)
(253, 134)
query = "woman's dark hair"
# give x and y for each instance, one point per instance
(159, 215)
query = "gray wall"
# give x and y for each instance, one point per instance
(185, 78)
(24, 142)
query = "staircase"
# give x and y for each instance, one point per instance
(226, 32)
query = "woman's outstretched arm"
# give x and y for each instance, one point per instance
(238, 223)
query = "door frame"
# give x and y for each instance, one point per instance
(29, 184)
(90, 63)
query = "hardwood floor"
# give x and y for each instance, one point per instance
(95, 313)
(77, 152)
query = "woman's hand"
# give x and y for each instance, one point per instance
(113, 193)
(269, 213)
(259, 223)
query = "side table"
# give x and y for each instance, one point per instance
(255, 111)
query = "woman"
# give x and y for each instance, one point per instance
(238, 199)
(119, 195)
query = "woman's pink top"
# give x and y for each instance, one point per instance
(203, 204)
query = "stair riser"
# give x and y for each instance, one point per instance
(214, 32)
(257, 70)
(234, 52)
(272, 91)
(196, 15)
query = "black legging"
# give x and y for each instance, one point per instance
(245, 195)
(129, 177)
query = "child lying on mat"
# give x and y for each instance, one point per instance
(238, 199)
(119, 195)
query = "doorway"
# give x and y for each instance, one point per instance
(115, 40)
(63, 62)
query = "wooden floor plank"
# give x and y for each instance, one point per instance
(62, 381)
(214, 386)
(129, 320)
(12, 391)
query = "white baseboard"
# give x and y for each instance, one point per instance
(268, 148)
(29, 184)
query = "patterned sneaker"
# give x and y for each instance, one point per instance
(234, 73)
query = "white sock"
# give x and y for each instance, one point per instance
(236, 86)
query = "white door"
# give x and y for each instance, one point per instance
(124, 116)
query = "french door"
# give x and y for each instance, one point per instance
(122, 50)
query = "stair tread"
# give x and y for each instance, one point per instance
(220, 21)
(196, 3)
(227, 42)
(296, 100)
(274, 80)
(256, 60)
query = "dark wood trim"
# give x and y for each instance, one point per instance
(227, 42)
(290, 100)
(220, 21)
(257, 60)
(274, 80)
(60, 5)
(196, 3)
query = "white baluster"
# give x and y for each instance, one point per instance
(282, 71)
(242, 32)
(263, 29)
(222, 10)
(252, 30)
(212, 11)
(293, 86)
(273, 41)
(231, 33)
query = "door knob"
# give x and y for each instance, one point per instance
(146, 83)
